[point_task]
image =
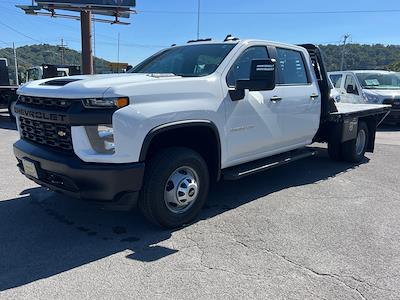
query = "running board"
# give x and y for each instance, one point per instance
(237, 172)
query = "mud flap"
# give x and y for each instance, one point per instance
(349, 129)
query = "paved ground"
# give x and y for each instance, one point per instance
(311, 230)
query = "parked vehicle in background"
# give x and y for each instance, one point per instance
(185, 117)
(373, 87)
(334, 94)
(8, 92)
(51, 71)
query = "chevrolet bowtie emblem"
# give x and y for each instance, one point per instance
(62, 133)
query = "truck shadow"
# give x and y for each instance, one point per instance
(43, 234)
(388, 128)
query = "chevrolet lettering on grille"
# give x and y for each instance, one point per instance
(40, 115)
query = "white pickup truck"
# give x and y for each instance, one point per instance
(185, 117)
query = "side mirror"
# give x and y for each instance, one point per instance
(262, 78)
(350, 89)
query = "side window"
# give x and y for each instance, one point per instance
(291, 67)
(350, 85)
(336, 80)
(242, 66)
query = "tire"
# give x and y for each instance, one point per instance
(11, 105)
(335, 150)
(354, 150)
(173, 172)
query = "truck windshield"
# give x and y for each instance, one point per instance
(186, 61)
(379, 81)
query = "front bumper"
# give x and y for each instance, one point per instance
(70, 175)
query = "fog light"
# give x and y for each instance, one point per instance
(106, 133)
(101, 138)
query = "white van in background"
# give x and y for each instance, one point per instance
(373, 87)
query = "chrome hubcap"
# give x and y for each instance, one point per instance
(181, 190)
(360, 142)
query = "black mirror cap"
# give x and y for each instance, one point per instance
(262, 76)
(263, 69)
(350, 89)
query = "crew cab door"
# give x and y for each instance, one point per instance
(265, 123)
(299, 111)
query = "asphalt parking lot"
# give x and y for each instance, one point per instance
(316, 229)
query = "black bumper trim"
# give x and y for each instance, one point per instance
(394, 116)
(71, 176)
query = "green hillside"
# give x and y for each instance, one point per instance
(362, 57)
(36, 55)
(357, 57)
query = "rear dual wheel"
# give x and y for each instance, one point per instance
(353, 150)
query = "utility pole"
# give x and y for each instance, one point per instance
(345, 38)
(16, 65)
(198, 19)
(94, 46)
(62, 49)
(94, 38)
(118, 55)
(87, 55)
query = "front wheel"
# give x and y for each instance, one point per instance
(354, 150)
(176, 187)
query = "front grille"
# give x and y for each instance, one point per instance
(56, 136)
(48, 103)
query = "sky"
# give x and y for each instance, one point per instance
(160, 23)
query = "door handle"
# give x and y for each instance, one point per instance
(276, 99)
(314, 96)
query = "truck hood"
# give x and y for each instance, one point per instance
(381, 96)
(82, 86)
(384, 93)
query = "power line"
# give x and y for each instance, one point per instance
(21, 33)
(11, 54)
(122, 44)
(270, 12)
(72, 28)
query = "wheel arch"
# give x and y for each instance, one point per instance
(167, 135)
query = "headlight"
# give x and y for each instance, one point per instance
(106, 102)
(337, 98)
(370, 98)
(101, 137)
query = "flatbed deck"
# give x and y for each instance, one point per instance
(9, 87)
(346, 110)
